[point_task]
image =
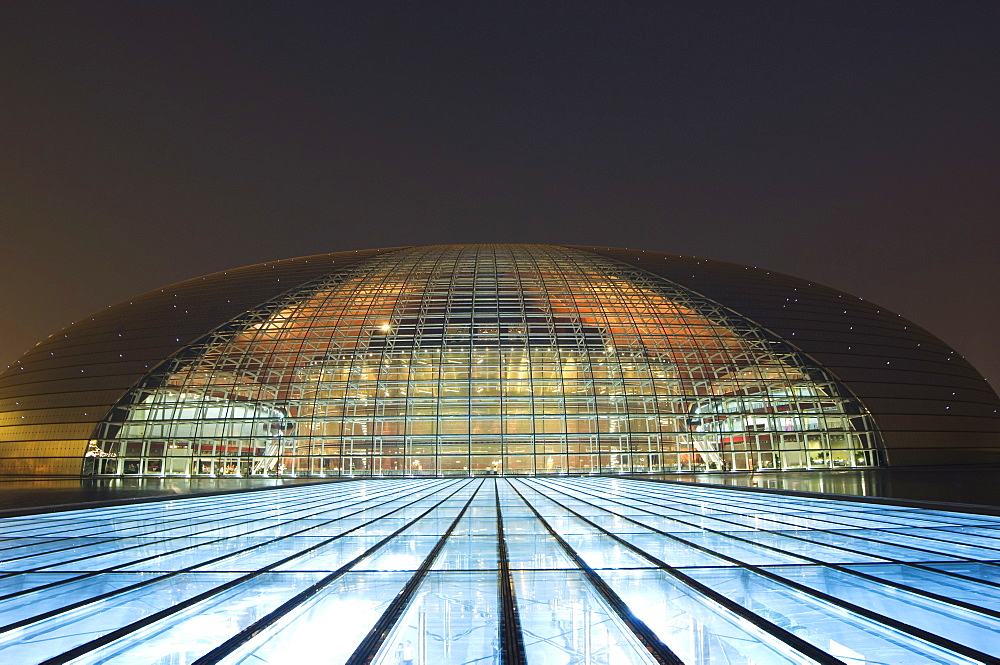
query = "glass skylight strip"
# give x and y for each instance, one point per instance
(976, 629)
(883, 541)
(804, 543)
(588, 570)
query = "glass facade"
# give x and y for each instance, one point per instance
(487, 570)
(487, 359)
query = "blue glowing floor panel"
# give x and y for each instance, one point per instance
(595, 571)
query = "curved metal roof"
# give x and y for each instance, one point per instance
(931, 406)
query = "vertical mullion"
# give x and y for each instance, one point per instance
(236, 640)
(373, 641)
(233, 643)
(511, 639)
(649, 640)
(785, 636)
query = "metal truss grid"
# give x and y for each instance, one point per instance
(484, 359)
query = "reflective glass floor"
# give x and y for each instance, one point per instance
(592, 571)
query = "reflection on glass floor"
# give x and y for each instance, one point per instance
(590, 571)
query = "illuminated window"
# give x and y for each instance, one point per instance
(464, 360)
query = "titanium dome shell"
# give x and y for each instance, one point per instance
(483, 359)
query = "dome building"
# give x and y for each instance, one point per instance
(461, 360)
(455, 384)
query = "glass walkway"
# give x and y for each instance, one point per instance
(589, 571)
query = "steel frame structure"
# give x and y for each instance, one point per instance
(485, 359)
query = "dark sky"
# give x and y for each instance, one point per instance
(852, 143)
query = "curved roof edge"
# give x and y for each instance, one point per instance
(921, 392)
(931, 405)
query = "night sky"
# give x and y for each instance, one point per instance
(856, 144)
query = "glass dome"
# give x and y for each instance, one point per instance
(484, 359)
